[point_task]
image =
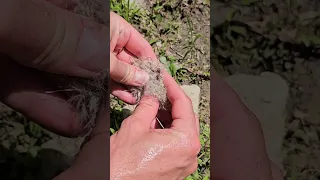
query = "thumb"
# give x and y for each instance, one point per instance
(145, 113)
(46, 37)
(125, 73)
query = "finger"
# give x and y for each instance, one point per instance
(129, 38)
(26, 93)
(126, 56)
(182, 110)
(125, 73)
(145, 113)
(52, 39)
(120, 92)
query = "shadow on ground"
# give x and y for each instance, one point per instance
(23, 166)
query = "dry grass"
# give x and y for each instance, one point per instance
(155, 86)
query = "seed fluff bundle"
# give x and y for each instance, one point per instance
(154, 87)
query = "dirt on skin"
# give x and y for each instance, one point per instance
(282, 37)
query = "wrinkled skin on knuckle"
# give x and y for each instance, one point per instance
(130, 124)
(190, 144)
(193, 167)
(126, 123)
(195, 146)
(148, 103)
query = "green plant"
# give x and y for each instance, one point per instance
(129, 11)
(191, 47)
(116, 115)
(171, 65)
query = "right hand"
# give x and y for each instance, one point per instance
(138, 151)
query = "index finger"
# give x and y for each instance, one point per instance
(182, 111)
(130, 39)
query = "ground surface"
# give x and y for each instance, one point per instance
(282, 37)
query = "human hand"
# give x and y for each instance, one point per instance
(125, 43)
(138, 151)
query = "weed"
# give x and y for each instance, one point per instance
(129, 11)
(191, 47)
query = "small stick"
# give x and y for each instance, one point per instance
(159, 122)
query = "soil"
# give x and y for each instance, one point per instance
(282, 37)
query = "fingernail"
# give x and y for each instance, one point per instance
(141, 77)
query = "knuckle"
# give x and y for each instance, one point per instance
(128, 72)
(131, 123)
(126, 122)
(147, 102)
(193, 167)
(195, 147)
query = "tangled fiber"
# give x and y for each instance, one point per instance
(154, 87)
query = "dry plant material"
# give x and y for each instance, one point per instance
(154, 87)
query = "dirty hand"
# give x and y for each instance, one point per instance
(125, 44)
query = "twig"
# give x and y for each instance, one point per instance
(159, 122)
